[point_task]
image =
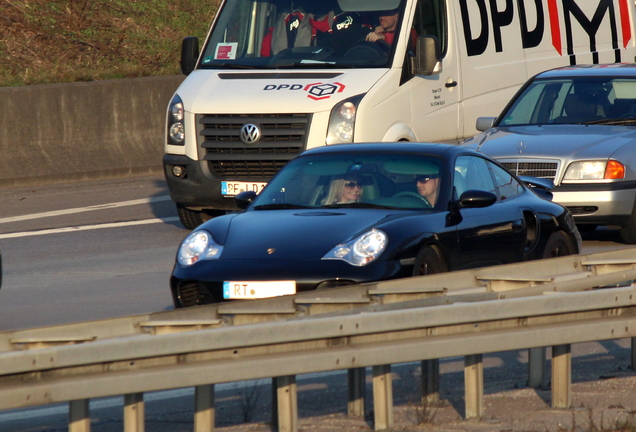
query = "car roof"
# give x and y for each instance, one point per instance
(444, 150)
(599, 70)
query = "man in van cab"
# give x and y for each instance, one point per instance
(386, 30)
(389, 21)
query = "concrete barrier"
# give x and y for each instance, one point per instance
(79, 131)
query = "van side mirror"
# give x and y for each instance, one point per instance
(484, 123)
(428, 58)
(189, 54)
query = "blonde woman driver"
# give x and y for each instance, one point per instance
(344, 190)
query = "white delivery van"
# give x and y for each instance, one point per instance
(277, 77)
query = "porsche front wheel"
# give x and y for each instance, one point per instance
(429, 261)
(558, 244)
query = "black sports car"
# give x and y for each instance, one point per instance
(346, 214)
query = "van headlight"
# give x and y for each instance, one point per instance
(176, 127)
(199, 245)
(342, 121)
(362, 250)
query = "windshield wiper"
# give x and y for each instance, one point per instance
(227, 66)
(615, 121)
(281, 206)
(361, 205)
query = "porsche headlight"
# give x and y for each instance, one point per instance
(595, 170)
(361, 250)
(199, 245)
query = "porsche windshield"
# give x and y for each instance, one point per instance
(585, 100)
(368, 181)
(265, 34)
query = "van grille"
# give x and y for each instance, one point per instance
(545, 169)
(284, 136)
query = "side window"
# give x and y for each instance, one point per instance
(506, 184)
(430, 19)
(472, 172)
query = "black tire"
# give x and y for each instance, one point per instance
(628, 232)
(191, 219)
(558, 245)
(429, 261)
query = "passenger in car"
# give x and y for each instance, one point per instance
(344, 190)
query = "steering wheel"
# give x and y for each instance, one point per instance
(413, 195)
(368, 50)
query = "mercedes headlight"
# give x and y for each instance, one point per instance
(342, 121)
(199, 245)
(595, 170)
(175, 119)
(362, 250)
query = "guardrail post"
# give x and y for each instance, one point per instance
(561, 376)
(134, 412)
(537, 368)
(430, 382)
(634, 353)
(79, 419)
(382, 397)
(356, 383)
(474, 385)
(204, 411)
(286, 403)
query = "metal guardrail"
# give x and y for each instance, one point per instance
(531, 305)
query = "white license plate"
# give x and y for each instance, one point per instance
(230, 189)
(257, 290)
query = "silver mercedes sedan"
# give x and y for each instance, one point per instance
(577, 127)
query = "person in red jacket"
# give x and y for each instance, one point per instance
(389, 21)
(386, 30)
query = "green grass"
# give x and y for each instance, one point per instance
(59, 41)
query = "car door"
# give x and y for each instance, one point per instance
(495, 234)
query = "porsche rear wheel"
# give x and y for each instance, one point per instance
(429, 261)
(559, 244)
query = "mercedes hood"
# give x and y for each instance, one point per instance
(553, 141)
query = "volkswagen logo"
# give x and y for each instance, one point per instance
(250, 133)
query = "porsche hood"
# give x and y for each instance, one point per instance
(292, 235)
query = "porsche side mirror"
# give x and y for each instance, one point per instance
(477, 199)
(244, 199)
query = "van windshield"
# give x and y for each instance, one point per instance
(264, 34)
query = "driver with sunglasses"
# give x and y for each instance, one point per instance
(427, 186)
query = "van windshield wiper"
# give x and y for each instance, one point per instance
(227, 66)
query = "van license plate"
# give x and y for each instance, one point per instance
(257, 290)
(230, 189)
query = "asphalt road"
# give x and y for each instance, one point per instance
(94, 250)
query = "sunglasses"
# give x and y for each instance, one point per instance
(424, 179)
(352, 184)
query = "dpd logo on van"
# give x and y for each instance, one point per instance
(319, 91)
(558, 19)
(315, 91)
